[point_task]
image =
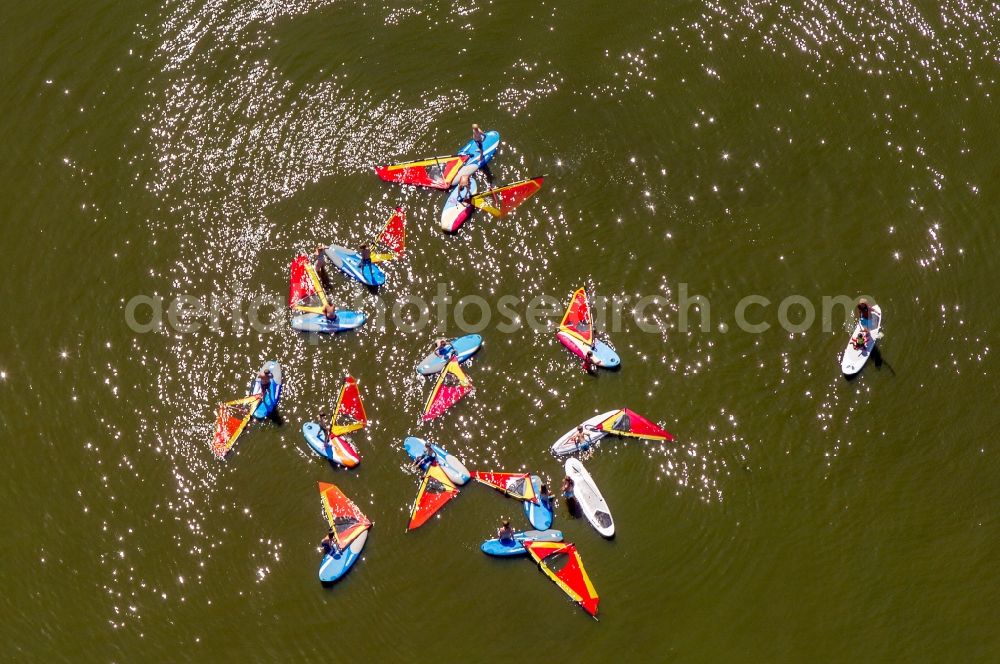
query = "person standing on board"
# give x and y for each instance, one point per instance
(329, 544)
(366, 255)
(478, 136)
(265, 381)
(319, 264)
(324, 424)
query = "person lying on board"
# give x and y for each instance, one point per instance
(444, 348)
(589, 365)
(505, 533)
(464, 193)
(478, 136)
(864, 312)
(329, 312)
(329, 544)
(427, 458)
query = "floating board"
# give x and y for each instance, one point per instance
(465, 347)
(494, 547)
(450, 464)
(594, 507)
(855, 358)
(477, 158)
(346, 320)
(563, 447)
(335, 566)
(539, 514)
(339, 450)
(604, 355)
(454, 213)
(349, 262)
(270, 400)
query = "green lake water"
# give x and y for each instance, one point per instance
(710, 148)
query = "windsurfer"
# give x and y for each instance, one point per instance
(364, 251)
(589, 365)
(329, 544)
(265, 380)
(330, 313)
(444, 348)
(505, 533)
(324, 424)
(478, 136)
(464, 193)
(579, 439)
(427, 458)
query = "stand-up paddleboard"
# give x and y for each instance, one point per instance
(346, 320)
(450, 464)
(465, 347)
(337, 449)
(270, 400)
(594, 507)
(562, 446)
(539, 514)
(349, 262)
(494, 547)
(477, 158)
(455, 213)
(855, 358)
(336, 565)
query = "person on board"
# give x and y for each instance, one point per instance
(864, 312)
(568, 495)
(464, 193)
(324, 424)
(265, 380)
(427, 458)
(329, 544)
(365, 252)
(329, 313)
(589, 365)
(860, 341)
(544, 497)
(505, 533)
(444, 348)
(579, 438)
(478, 136)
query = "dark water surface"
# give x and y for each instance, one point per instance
(719, 149)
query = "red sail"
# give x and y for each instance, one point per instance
(230, 420)
(451, 386)
(389, 244)
(562, 563)
(436, 172)
(349, 414)
(517, 485)
(301, 285)
(344, 517)
(435, 491)
(627, 422)
(577, 319)
(503, 200)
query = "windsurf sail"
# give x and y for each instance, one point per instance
(577, 321)
(388, 245)
(627, 422)
(562, 563)
(305, 287)
(344, 517)
(435, 490)
(517, 485)
(231, 418)
(452, 384)
(436, 172)
(349, 414)
(503, 200)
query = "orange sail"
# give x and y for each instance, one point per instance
(517, 485)
(503, 200)
(577, 321)
(389, 244)
(451, 386)
(435, 491)
(305, 287)
(562, 563)
(349, 414)
(436, 172)
(231, 418)
(344, 517)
